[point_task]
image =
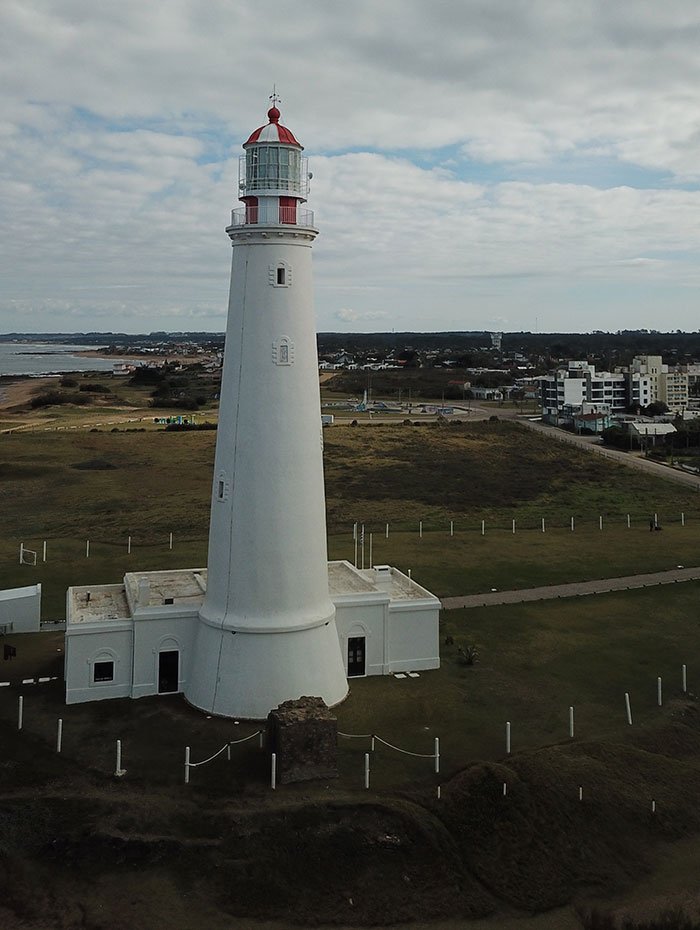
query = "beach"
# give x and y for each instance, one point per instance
(19, 390)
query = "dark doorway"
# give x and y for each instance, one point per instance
(356, 656)
(168, 671)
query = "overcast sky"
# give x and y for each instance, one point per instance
(478, 164)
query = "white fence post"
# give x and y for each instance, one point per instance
(170, 542)
(572, 524)
(387, 531)
(514, 524)
(119, 771)
(273, 771)
(628, 708)
(366, 770)
(483, 527)
(43, 554)
(437, 755)
(420, 528)
(370, 549)
(87, 548)
(452, 527)
(571, 722)
(21, 552)
(629, 522)
(187, 765)
(128, 545)
(260, 739)
(59, 735)
(20, 713)
(508, 738)
(600, 522)
(580, 793)
(684, 678)
(682, 519)
(659, 692)
(543, 524)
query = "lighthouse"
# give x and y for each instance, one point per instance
(266, 629)
(269, 620)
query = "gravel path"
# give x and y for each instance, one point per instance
(577, 589)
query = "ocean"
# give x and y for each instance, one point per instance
(38, 359)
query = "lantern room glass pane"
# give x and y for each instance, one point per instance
(273, 167)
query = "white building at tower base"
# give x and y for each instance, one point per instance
(137, 638)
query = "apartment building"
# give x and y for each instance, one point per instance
(568, 389)
(668, 385)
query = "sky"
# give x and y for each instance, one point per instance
(477, 164)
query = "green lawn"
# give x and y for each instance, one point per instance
(535, 661)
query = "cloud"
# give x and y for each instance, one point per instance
(121, 125)
(346, 315)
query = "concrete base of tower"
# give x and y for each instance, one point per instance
(236, 674)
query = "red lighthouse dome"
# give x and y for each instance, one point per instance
(273, 131)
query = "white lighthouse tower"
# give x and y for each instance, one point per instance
(267, 630)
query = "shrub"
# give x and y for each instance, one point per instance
(95, 388)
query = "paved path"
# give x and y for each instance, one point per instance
(578, 588)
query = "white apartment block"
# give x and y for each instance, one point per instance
(646, 381)
(578, 384)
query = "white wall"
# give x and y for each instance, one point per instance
(151, 637)
(20, 609)
(414, 638)
(84, 648)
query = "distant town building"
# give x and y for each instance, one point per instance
(646, 381)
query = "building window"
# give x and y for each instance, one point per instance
(103, 671)
(284, 354)
(281, 275)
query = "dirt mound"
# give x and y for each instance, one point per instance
(79, 853)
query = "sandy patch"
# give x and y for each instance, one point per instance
(21, 391)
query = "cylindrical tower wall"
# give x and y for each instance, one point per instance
(267, 544)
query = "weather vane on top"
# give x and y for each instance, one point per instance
(274, 96)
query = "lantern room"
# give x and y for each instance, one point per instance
(273, 177)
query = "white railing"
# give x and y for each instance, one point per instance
(288, 216)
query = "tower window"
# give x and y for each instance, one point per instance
(280, 274)
(222, 487)
(283, 351)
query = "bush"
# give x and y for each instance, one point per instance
(95, 388)
(55, 398)
(69, 383)
(468, 655)
(185, 427)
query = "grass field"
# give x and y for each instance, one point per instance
(393, 854)
(67, 487)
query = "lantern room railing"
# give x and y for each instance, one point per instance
(288, 216)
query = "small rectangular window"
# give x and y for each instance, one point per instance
(103, 671)
(281, 275)
(221, 489)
